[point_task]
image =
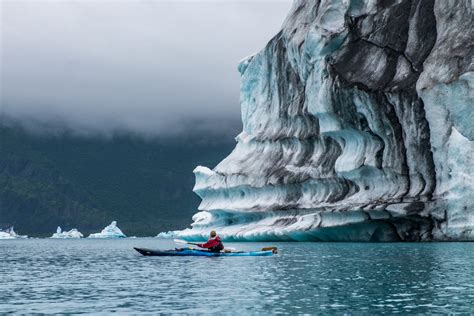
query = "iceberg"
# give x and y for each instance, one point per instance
(357, 126)
(166, 235)
(111, 231)
(10, 234)
(73, 233)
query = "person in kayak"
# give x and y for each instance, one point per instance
(214, 244)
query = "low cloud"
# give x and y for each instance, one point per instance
(151, 67)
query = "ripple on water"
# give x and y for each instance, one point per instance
(88, 276)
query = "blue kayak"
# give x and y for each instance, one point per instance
(202, 253)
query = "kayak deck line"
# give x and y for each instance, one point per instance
(203, 253)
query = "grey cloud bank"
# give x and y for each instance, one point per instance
(151, 67)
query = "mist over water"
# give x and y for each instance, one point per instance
(183, 130)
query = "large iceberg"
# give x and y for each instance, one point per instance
(357, 125)
(10, 234)
(111, 231)
(60, 234)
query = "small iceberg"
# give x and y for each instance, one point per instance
(73, 233)
(111, 231)
(10, 234)
(166, 235)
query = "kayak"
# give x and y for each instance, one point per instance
(202, 253)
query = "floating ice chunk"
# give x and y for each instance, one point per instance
(73, 233)
(10, 234)
(111, 231)
(4, 235)
(167, 235)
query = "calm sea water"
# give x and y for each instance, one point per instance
(102, 276)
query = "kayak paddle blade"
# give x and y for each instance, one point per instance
(180, 241)
(273, 249)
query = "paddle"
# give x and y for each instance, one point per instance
(181, 241)
(273, 249)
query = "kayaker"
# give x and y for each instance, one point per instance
(214, 243)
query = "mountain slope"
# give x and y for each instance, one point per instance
(146, 185)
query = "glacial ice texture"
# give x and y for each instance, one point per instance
(60, 234)
(357, 125)
(111, 231)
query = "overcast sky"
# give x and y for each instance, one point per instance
(156, 67)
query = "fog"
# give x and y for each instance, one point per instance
(150, 67)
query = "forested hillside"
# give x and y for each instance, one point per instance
(83, 182)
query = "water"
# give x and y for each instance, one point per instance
(90, 276)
